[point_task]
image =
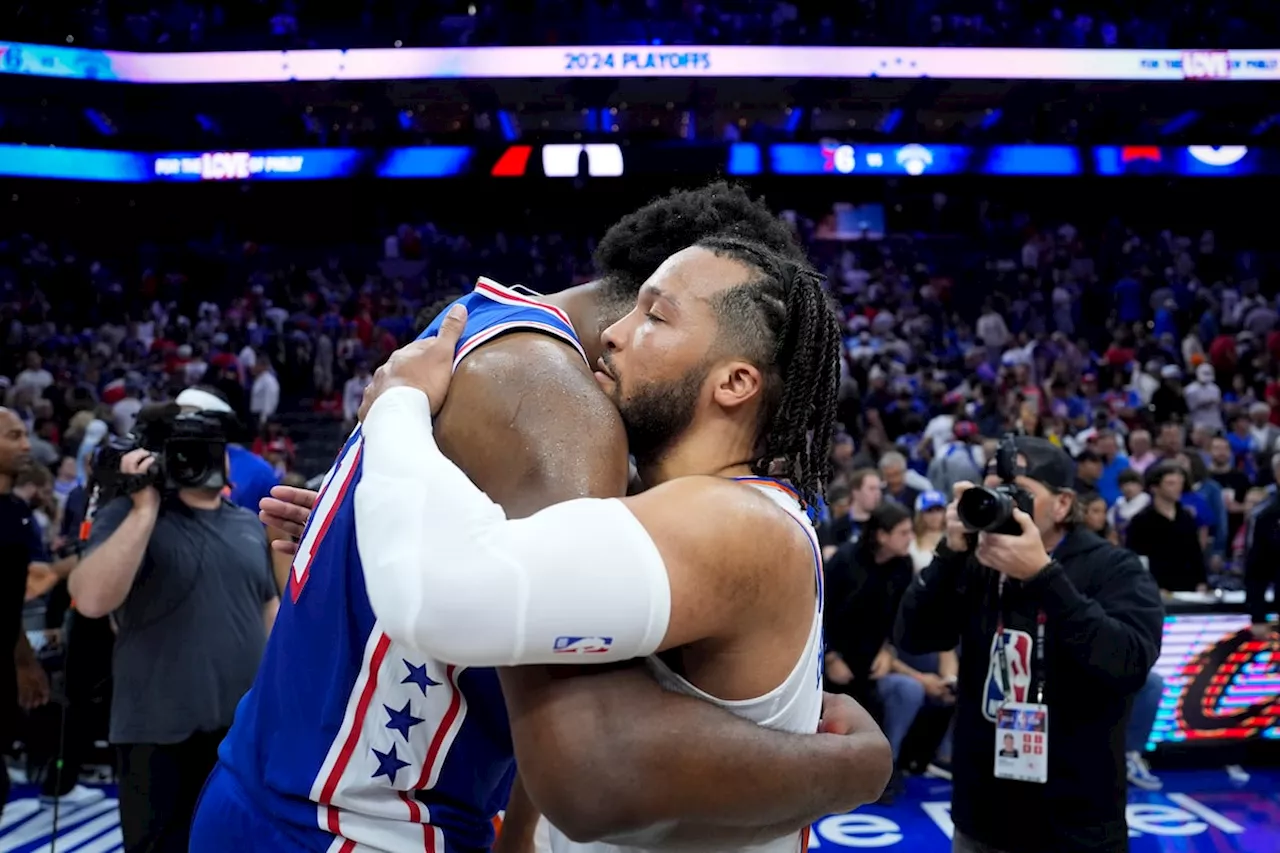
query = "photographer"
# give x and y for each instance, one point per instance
(1058, 630)
(187, 579)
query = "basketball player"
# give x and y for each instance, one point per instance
(349, 741)
(725, 372)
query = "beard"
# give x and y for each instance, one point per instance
(657, 414)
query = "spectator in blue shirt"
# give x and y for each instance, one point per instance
(1114, 463)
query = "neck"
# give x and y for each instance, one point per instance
(718, 449)
(1163, 505)
(200, 498)
(882, 556)
(1053, 539)
(857, 513)
(6, 484)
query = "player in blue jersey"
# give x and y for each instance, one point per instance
(349, 741)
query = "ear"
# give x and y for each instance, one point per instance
(1062, 506)
(736, 383)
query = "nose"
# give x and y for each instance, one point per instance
(612, 336)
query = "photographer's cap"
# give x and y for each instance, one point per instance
(1046, 462)
(203, 401)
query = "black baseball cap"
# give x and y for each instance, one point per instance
(1046, 462)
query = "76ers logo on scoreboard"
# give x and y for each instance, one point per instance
(1017, 650)
(1206, 64)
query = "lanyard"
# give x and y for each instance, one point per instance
(1002, 653)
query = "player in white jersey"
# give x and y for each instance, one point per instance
(725, 374)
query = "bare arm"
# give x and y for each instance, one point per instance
(102, 580)
(519, 823)
(598, 751)
(607, 752)
(949, 665)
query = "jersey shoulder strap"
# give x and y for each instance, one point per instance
(494, 310)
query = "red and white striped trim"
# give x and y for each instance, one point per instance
(335, 487)
(507, 296)
(335, 764)
(471, 343)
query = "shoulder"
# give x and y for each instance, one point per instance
(1113, 558)
(241, 517)
(734, 525)
(527, 422)
(535, 372)
(13, 508)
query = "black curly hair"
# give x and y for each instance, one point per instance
(782, 321)
(639, 242)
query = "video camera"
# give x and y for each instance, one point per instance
(990, 509)
(189, 448)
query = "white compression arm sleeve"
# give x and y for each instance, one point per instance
(448, 574)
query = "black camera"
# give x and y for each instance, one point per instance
(990, 509)
(189, 449)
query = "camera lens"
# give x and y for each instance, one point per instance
(982, 508)
(188, 463)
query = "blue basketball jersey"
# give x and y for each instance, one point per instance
(347, 740)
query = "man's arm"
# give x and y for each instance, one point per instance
(610, 754)
(102, 580)
(526, 421)
(685, 561)
(1116, 634)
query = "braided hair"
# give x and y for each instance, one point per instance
(782, 321)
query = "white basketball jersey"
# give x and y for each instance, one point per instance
(795, 705)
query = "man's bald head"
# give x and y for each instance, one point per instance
(15, 444)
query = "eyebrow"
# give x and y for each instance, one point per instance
(658, 293)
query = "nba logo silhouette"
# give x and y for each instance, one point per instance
(1017, 649)
(582, 645)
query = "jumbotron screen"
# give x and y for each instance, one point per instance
(1220, 682)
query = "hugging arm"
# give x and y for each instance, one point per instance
(597, 747)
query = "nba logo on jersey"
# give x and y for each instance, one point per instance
(1017, 648)
(582, 645)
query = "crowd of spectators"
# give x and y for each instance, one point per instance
(294, 24)
(1153, 358)
(1172, 418)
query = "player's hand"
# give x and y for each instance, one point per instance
(286, 513)
(1021, 557)
(33, 685)
(425, 364)
(137, 463)
(1260, 630)
(841, 715)
(957, 534)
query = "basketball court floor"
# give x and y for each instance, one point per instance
(1198, 812)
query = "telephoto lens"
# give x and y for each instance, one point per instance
(984, 509)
